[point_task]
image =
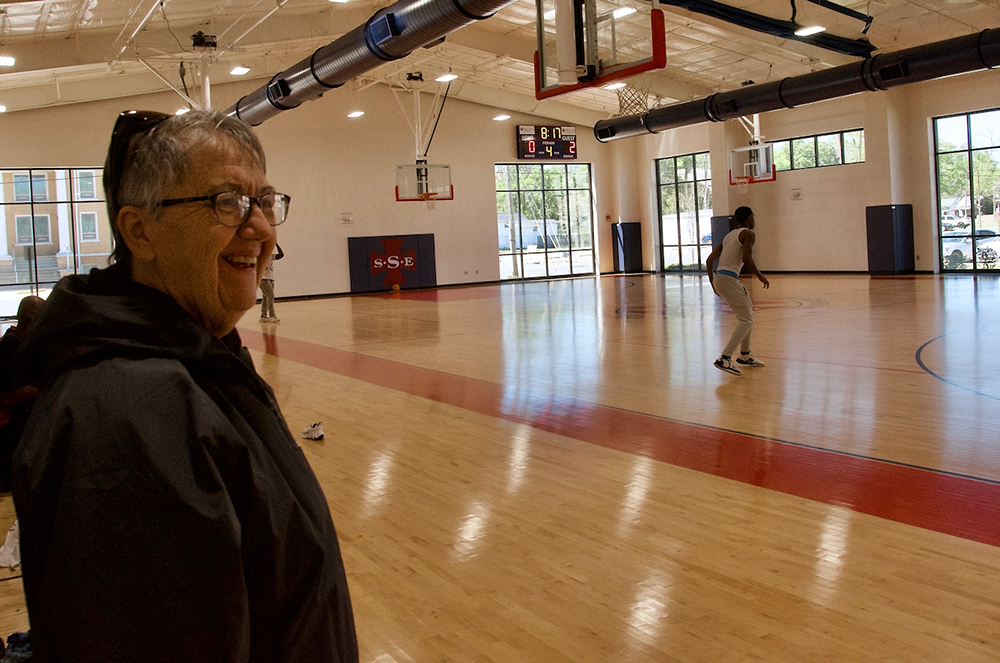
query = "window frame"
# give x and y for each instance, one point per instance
(779, 165)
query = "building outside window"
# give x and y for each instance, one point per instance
(545, 220)
(51, 228)
(22, 224)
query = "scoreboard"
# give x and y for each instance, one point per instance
(545, 142)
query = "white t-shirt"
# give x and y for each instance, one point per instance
(269, 267)
(731, 258)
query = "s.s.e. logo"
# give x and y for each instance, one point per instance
(393, 261)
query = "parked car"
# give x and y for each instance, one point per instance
(956, 243)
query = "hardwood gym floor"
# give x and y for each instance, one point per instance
(555, 472)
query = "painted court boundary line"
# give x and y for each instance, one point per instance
(952, 504)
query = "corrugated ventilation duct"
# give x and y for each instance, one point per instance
(881, 72)
(392, 33)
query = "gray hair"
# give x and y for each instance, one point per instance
(159, 158)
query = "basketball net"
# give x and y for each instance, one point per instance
(428, 199)
(632, 100)
(742, 184)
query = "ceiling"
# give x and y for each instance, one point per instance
(80, 50)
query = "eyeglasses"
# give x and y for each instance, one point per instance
(232, 208)
(129, 125)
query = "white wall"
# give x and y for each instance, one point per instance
(823, 229)
(332, 165)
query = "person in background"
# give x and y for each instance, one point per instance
(733, 252)
(166, 512)
(267, 287)
(16, 398)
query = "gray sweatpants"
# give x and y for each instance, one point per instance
(267, 298)
(736, 295)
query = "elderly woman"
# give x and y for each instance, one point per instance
(166, 511)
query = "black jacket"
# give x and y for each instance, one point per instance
(166, 511)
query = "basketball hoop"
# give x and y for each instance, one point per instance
(428, 198)
(632, 100)
(742, 183)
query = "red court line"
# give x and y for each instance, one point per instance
(961, 506)
(445, 294)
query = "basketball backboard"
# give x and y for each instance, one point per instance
(751, 164)
(592, 43)
(423, 181)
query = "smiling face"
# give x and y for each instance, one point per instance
(211, 270)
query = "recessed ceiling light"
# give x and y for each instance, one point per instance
(6, 61)
(501, 118)
(444, 78)
(549, 15)
(239, 70)
(811, 30)
(623, 11)
(615, 86)
(356, 114)
(181, 111)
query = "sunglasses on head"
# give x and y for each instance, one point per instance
(130, 124)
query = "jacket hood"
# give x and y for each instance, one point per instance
(88, 318)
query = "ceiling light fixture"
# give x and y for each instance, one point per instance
(240, 70)
(6, 61)
(811, 30)
(444, 78)
(623, 11)
(3, 109)
(501, 118)
(777, 27)
(356, 114)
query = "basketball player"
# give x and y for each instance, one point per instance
(736, 250)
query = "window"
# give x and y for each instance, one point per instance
(967, 155)
(804, 153)
(53, 219)
(685, 198)
(22, 189)
(38, 191)
(854, 146)
(88, 226)
(545, 221)
(832, 149)
(22, 224)
(828, 150)
(85, 185)
(782, 155)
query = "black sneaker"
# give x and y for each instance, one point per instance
(749, 360)
(726, 364)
